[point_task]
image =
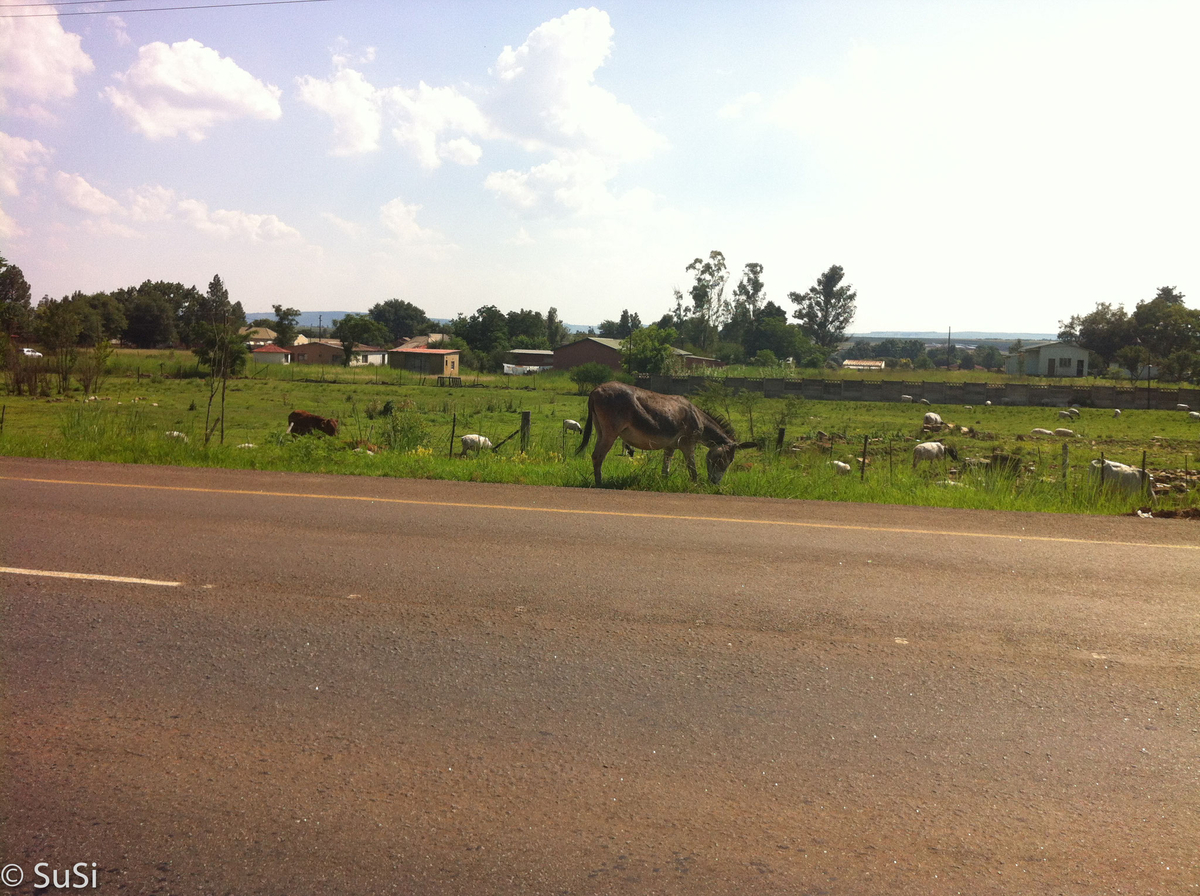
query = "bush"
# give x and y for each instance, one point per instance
(588, 376)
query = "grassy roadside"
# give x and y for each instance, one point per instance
(129, 422)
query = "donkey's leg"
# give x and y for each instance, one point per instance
(604, 443)
(668, 453)
(689, 455)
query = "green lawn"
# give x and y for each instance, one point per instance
(152, 394)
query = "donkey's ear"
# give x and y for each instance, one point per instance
(747, 444)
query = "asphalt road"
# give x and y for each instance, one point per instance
(346, 685)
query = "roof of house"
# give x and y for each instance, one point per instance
(613, 344)
(257, 332)
(273, 348)
(427, 351)
(531, 351)
(422, 341)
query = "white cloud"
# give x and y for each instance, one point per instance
(353, 104)
(426, 113)
(17, 157)
(81, 195)
(347, 227)
(401, 219)
(547, 98)
(187, 88)
(227, 225)
(39, 62)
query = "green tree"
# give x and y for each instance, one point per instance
(710, 307)
(16, 301)
(556, 330)
(1134, 359)
(218, 344)
(527, 326)
(1165, 325)
(619, 329)
(648, 350)
(57, 326)
(403, 320)
(159, 313)
(826, 311)
(485, 331)
(285, 325)
(358, 329)
(1103, 331)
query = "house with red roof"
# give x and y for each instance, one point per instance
(272, 354)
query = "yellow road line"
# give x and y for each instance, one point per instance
(86, 576)
(611, 513)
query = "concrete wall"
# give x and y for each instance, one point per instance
(1036, 394)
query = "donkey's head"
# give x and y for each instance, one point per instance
(721, 456)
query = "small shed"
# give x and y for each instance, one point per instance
(272, 354)
(426, 361)
(865, 364)
(590, 349)
(531, 357)
(1059, 359)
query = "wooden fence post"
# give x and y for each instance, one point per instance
(525, 428)
(453, 430)
(779, 439)
(862, 475)
(1066, 463)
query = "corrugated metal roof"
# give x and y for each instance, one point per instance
(273, 348)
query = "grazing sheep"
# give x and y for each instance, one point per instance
(906, 398)
(1194, 415)
(1116, 412)
(932, 451)
(173, 434)
(1122, 477)
(1074, 412)
(1064, 432)
(840, 466)
(247, 445)
(1065, 415)
(474, 442)
(924, 401)
(1182, 407)
(933, 421)
(987, 404)
(1040, 432)
(572, 426)
(967, 407)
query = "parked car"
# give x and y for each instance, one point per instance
(30, 353)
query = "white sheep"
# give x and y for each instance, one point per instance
(933, 421)
(987, 404)
(1067, 433)
(1116, 412)
(1040, 432)
(474, 442)
(1123, 477)
(572, 426)
(178, 436)
(1182, 407)
(1074, 412)
(924, 401)
(932, 451)
(1065, 415)
(1194, 415)
(906, 398)
(840, 466)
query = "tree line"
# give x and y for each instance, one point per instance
(1161, 331)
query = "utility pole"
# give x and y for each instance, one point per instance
(320, 327)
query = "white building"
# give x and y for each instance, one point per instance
(1057, 359)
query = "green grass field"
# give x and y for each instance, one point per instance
(151, 394)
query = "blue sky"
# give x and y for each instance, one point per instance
(975, 165)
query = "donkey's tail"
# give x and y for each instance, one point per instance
(587, 429)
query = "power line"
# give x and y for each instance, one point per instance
(99, 12)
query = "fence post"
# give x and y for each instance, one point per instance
(862, 474)
(3, 411)
(1145, 478)
(525, 427)
(1066, 463)
(779, 439)
(453, 430)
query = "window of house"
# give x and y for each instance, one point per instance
(1064, 362)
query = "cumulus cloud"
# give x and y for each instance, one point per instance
(400, 219)
(542, 97)
(354, 105)
(81, 195)
(39, 62)
(158, 205)
(425, 113)
(187, 88)
(547, 98)
(17, 157)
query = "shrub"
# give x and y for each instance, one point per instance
(589, 376)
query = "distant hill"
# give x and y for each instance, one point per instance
(326, 318)
(875, 335)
